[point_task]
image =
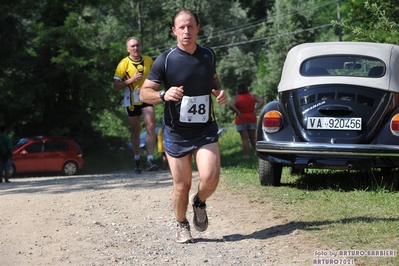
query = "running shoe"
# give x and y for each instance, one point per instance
(183, 233)
(151, 166)
(138, 168)
(200, 219)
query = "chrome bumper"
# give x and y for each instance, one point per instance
(361, 150)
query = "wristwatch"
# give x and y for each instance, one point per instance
(162, 95)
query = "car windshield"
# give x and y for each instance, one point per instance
(20, 143)
(343, 65)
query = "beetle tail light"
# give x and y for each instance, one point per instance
(395, 125)
(272, 121)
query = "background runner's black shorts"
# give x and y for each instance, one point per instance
(180, 142)
(137, 109)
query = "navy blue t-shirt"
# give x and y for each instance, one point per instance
(194, 72)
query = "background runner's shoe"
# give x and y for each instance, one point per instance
(138, 168)
(183, 233)
(151, 166)
(200, 219)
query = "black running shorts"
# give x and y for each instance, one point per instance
(136, 109)
(180, 142)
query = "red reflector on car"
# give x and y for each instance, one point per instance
(272, 121)
(395, 125)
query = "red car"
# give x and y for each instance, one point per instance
(47, 154)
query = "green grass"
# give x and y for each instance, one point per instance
(341, 210)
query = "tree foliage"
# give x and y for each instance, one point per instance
(288, 24)
(373, 21)
(57, 58)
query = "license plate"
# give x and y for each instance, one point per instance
(335, 123)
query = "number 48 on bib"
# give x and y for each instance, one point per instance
(194, 109)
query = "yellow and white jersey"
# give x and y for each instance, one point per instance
(126, 69)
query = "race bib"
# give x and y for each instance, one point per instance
(194, 109)
(136, 96)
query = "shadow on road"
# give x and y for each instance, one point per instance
(70, 184)
(286, 229)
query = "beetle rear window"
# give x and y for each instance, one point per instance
(343, 65)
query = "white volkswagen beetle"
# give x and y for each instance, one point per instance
(337, 108)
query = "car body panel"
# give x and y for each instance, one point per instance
(143, 136)
(338, 119)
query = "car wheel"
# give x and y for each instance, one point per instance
(69, 168)
(269, 173)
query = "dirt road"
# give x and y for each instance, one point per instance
(127, 219)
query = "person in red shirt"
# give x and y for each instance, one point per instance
(245, 105)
